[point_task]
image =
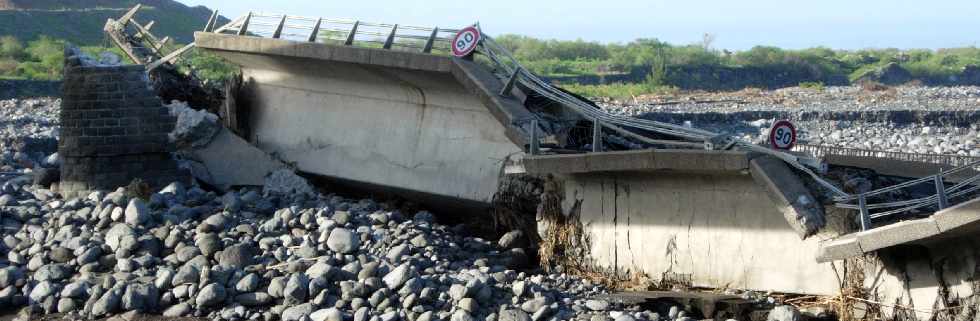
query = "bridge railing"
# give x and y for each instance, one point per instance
(948, 159)
(944, 196)
(345, 32)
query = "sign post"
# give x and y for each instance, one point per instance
(782, 135)
(465, 42)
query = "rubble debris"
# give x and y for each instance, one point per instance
(188, 252)
(194, 128)
(285, 182)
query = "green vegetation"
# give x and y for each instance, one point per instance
(81, 22)
(43, 59)
(813, 85)
(652, 64)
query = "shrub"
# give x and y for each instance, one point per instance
(812, 85)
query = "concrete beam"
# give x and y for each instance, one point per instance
(800, 209)
(958, 221)
(232, 161)
(681, 160)
(509, 111)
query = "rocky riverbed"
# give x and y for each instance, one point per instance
(930, 120)
(183, 252)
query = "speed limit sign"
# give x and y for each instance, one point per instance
(465, 41)
(782, 135)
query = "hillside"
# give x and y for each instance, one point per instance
(82, 21)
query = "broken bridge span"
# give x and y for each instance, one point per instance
(382, 106)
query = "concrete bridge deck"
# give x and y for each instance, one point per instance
(436, 128)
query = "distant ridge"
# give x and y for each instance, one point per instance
(81, 22)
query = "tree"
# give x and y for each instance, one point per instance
(11, 48)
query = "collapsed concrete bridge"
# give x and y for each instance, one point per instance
(384, 110)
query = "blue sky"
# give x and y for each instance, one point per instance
(736, 25)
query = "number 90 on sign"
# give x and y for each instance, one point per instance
(465, 41)
(782, 135)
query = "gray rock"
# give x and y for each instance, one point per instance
(116, 233)
(211, 294)
(53, 272)
(177, 310)
(60, 254)
(342, 241)
(209, 244)
(461, 315)
(41, 291)
(108, 303)
(469, 305)
(783, 313)
(66, 305)
(297, 313)
(238, 255)
(140, 297)
(534, 305)
(249, 283)
(597, 305)
(398, 276)
(75, 290)
(296, 290)
(625, 317)
(330, 314)
(511, 240)
(513, 315)
(137, 213)
(457, 292)
(253, 299)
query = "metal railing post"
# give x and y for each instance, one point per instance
(391, 37)
(865, 217)
(510, 83)
(244, 28)
(282, 23)
(534, 137)
(432, 40)
(353, 32)
(211, 22)
(316, 30)
(942, 201)
(596, 136)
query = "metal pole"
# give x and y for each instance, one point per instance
(431, 41)
(865, 217)
(596, 136)
(350, 36)
(534, 137)
(244, 28)
(278, 32)
(510, 83)
(213, 20)
(316, 30)
(943, 202)
(391, 37)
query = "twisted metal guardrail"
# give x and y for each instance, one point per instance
(948, 159)
(512, 73)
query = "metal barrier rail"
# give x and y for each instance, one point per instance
(344, 31)
(821, 151)
(941, 199)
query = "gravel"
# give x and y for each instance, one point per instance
(926, 120)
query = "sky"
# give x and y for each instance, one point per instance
(734, 24)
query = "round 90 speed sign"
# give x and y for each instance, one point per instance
(782, 135)
(465, 41)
